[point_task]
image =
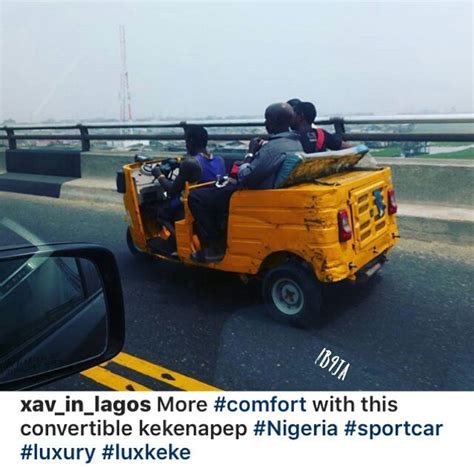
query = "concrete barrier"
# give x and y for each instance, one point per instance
(103, 165)
(60, 163)
(2, 162)
(445, 182)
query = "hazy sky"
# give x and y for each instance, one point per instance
(61, 59)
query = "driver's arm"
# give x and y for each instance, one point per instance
(189, 171)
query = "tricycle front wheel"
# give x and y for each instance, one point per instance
(134, 250)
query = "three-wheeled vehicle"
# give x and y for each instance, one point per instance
(330, 219)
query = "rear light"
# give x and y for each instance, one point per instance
(392, 202)
(345, 231)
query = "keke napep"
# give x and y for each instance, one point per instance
(329, 218)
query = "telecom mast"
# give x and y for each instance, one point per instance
(125, 103)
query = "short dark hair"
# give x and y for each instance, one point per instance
(293, 102)
(196, 135)
(307, 110)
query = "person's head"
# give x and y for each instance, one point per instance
(196, 139)
(292, 102)
(278, 117)
(305, 113)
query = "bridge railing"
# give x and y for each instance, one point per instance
(84, 132)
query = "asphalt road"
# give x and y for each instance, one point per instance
(412, 328)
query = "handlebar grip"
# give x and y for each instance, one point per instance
(156, 172)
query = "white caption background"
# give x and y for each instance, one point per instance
(453, 447)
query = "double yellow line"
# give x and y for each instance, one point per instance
(115, 381)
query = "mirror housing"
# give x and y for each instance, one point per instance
(47, 337)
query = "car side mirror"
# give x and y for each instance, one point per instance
(61, 311)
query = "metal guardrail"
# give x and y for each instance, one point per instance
(339, 123)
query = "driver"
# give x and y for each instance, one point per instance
(199, 166)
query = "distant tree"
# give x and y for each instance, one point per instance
(9, 122)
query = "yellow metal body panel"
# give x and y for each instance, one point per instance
(132, 208)
(299, 220)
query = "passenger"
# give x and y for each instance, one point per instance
(313, 139)
(199, 166)
(210, 206)
(292, 102)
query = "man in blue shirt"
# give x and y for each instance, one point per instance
(199, 166)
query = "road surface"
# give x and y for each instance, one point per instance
(411, 328)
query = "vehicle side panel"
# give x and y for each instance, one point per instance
(302, 220)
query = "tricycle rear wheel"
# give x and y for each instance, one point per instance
(292, 294)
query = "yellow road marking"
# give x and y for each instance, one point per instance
(109, 379)
(162, 374)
